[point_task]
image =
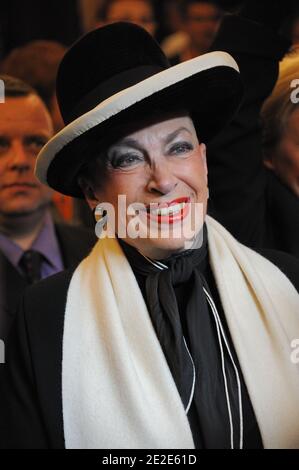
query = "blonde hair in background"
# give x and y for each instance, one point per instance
(279, 106)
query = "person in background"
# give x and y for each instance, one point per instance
(37, 63)
(247, 198)
(201, 20)
(280, 119)
(31, 246)
(140, 12)
(87, 12)
(176, 39)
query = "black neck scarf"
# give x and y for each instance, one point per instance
(161, 298)
(177, 302)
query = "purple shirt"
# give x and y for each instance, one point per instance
(46, 243)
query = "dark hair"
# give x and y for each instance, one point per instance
(36, 63)
(89, 171)
(14, 87)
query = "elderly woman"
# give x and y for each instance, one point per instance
(170, 334)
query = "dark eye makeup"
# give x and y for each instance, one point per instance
(127, 159)
(181, 148)
(124, 160)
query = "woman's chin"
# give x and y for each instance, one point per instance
(159, 248)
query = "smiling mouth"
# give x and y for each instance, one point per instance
(169, 212)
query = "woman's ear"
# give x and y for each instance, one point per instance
(88, 192)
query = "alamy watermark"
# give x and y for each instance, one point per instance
(295, 353)
(179, 219)
(2, 91)
(2, 352)
(295, 93)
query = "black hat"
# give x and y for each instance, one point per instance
(117, 74)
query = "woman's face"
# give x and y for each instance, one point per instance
(285, 162)
(162, 166)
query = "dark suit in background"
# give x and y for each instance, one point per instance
(75, 243)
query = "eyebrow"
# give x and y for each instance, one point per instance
(40, 135)
(130, 142)
(175, 133)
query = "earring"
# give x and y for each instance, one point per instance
(101, 218)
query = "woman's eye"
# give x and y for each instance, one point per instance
(125, 161)
(181, 148)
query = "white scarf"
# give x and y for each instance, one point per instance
(117, 390)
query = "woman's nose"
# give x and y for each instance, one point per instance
(162, 180)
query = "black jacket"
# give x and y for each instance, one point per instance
(74, 242)
(30, 381)
(250, 201)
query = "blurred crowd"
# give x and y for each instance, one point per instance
(33, 40)
(34, 37)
